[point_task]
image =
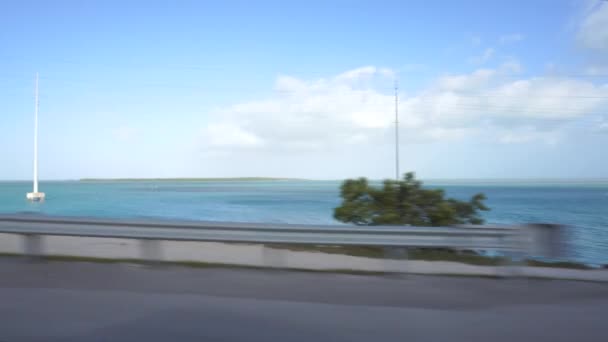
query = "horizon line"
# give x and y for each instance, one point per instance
(302, 179)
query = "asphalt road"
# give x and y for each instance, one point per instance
(116, 302)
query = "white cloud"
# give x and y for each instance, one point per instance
(230, 135)
(475, 80)
(287, 84)
(306, 115)
(593, 30)
(363, 73)
(341, 112)
(484, 57)
(511, 38)
(528, 134)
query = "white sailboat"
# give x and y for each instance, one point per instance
(36, 195)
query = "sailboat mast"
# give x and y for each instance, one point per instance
(396, 130)
(35, 195)
(36, 139)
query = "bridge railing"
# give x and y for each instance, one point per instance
(540, 240)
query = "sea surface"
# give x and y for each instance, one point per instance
(582, 206)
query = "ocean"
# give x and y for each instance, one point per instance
(581, 206)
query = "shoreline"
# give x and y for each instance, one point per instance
(210, 179)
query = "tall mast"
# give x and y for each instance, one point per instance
(35, 195)
(396, 129)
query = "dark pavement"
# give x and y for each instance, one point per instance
(65, 301)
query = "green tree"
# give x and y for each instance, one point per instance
(404, 202)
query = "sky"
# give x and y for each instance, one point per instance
(305, 89)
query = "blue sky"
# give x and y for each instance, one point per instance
(509, 89)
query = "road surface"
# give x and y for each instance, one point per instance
(70, 301)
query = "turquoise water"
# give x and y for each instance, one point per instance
(583, 206)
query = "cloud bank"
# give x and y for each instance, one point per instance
(357, 107)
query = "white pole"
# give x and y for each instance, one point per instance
(36, 140)
(396, 130)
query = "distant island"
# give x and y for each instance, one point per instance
(228, 179)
